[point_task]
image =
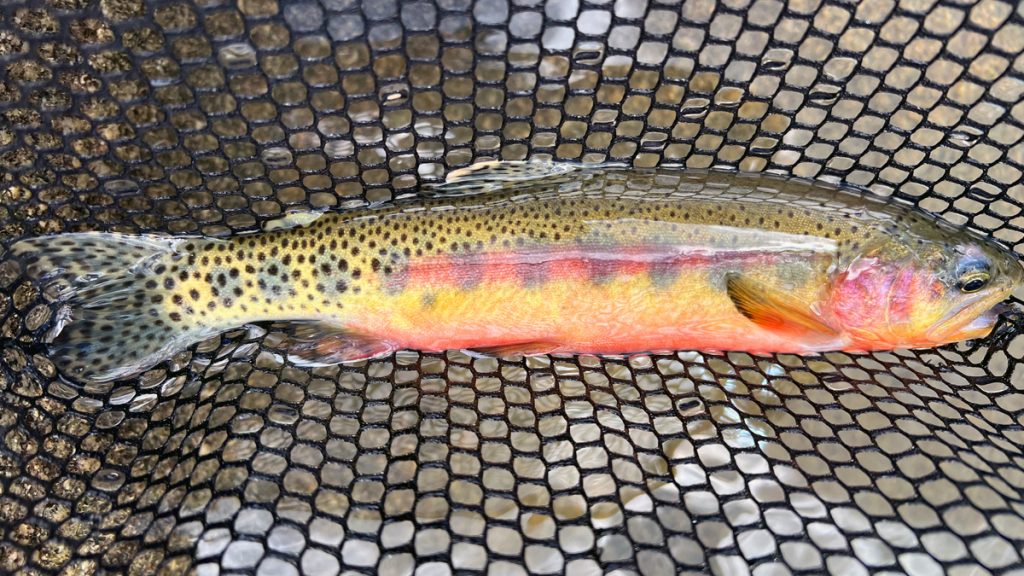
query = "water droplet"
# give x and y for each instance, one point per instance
(430, 171)
(237, 56)
(763, 146)
(109, 419)
(172, 386)
(428, 128)
(143, 403)
(304, 141)
(62, 390)
(246, 350)
(394, 94)
(695, 108)
(729, 97)
(117, 187)
(605, 116)
(653, 141)
(965, 136)
(982, 194)
(86, 405)
(691, 406)
(839, 69)
(276, 157)
(108, 480)
(824, 94)
(151, 378)
(777, 59)
(121, 395)
(588, 53)
(95, 388)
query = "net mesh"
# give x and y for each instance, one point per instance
(210, 117)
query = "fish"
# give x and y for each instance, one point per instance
(530, 257)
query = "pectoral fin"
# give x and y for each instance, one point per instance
(325, 344)
(776, 311)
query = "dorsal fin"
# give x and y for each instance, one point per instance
(496, 175)
(292, 220)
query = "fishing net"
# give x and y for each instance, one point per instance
(211, 117)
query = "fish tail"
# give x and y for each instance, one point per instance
(117, 323)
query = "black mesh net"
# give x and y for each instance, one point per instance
(210, 117)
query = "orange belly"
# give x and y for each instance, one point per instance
(570, 305)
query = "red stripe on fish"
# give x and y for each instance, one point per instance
(538, 266)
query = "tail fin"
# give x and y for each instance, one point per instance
(111, 282)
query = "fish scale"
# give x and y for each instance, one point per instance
(504, 258)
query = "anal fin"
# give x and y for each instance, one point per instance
(531, 348)
(313, 344)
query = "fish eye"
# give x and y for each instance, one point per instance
(973, 281)
(973, 274)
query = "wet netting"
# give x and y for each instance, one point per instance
(212, 117)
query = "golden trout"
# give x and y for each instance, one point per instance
(533, 258)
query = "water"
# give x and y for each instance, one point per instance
(691, 406)
(653, 141)
(763, 146)
(978, 192)
(276, 157)
(121, 186)
(339, 149)
(729, 97)
(695, 108)
(588, 53)
(824, 94)
(839, 69)
(777, 59)
(394, 94)
(237, 56)
(965, 136)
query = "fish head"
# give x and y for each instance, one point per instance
(923, 293)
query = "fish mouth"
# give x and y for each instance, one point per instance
(975, 319)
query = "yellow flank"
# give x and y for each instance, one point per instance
(629, 312)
